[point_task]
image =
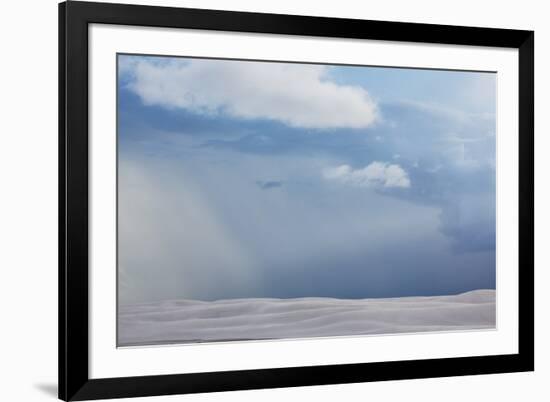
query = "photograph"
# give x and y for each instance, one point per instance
(255, 199)
(264, 200)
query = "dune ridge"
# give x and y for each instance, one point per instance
(185, 321)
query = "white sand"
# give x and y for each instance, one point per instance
(184, 321)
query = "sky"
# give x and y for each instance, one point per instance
(242, 179)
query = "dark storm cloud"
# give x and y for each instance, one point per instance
(266, 185)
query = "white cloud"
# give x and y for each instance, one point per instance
(298, 95)
(375, 174)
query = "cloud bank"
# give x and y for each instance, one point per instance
(376, 174)
(214, 206)
(298, 95)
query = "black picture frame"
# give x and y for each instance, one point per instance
(74, 381)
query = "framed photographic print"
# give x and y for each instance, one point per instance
(257, 200)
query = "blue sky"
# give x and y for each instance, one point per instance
(255, 179)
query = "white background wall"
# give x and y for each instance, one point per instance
(28, 199)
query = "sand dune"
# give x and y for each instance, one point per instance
(184, 321)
